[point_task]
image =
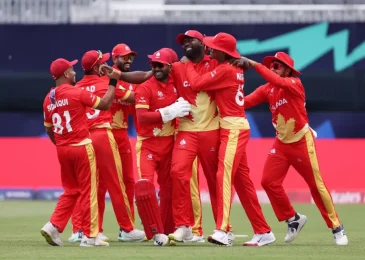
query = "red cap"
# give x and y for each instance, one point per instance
(122, 50)
(284, 58)
(190, 33)
(92, 58)
(223, 42)
(59, 66)
(173, 54)
(161, 56)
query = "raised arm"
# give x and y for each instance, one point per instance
(255, 98)
(219, 78)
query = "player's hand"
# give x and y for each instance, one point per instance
(180, 108)
(243, 63)
(184, 60)
(106, 70)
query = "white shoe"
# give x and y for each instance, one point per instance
(51, 234)
(294, 228)
(102, 237)
(76, 237)
(195, 239)
(231, 238)
(220, 238)
(160, 240)
(261, 239)
(135, 235)
(339, 236)
(182, 233)
(92, 241)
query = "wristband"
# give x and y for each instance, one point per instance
(113, 82)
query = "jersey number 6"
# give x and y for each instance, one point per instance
(240, 99)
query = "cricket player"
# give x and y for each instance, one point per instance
(294, 145)
(198, 135)
(123, 58)
(66, 125)
(228, 82)
(156, 110)
(106, 149)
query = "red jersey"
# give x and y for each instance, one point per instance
(64, 108)
(227, 82)
(153, 95)
(120, 109)
(203, 115)
(98, 86)
(286, 97)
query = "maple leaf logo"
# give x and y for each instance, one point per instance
(284, 128)
(118, 120)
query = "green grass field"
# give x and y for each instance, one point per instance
(21, 221)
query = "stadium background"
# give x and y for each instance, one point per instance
(328, 47)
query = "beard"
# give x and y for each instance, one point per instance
(160, 75)
(122, 67)
(193, 52)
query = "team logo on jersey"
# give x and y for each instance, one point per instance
(207, 65)
(150, 157)
(141, 100)
(160, 95)
(272, 151)
(279, 103)
(52, 96)
(182, 143)
(213, 73)
(122, 88)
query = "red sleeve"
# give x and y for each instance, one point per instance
(256, 97)
(148, 117)
(219, 78)
(121, 92)
(46, 115)
(143, 96)
(88, 99)
(292, 84)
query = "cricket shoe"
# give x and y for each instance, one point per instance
(102, 237)
(294, 227)
(195, 239)
(339, 236)
(182, 233)
(51, 234)
(134, 235)
(76, 237)
(220, 238)
(261, 239)
(160, 240)
(92, 241)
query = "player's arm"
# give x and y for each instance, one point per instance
(125, 95)
(255, 98)
(144, 115)
(50, 134)
(216, 79)
(134, 77)
(104, 103)
(291, 84)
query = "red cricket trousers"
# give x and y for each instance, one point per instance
(154, 156)
(125, 152)
(233, 170)
(302, 156)
(188, 146)
(79, 180)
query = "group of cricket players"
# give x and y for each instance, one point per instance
(188, 112)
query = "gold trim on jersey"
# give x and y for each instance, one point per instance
(285, 130)
(142, 106)
(83, 142)
(103, 125)
(195, 197)
(118, 120)
(97, 102)
(126, 95)
(234, 123)
(93, 206)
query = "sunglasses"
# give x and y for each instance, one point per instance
(128, 57)
(276, 66)
(159, 65)
(99, 58)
